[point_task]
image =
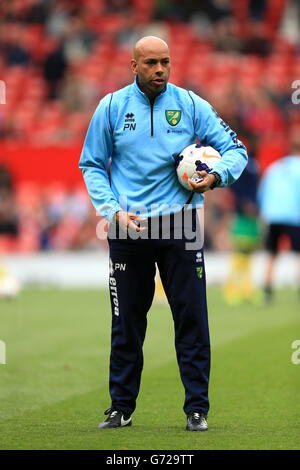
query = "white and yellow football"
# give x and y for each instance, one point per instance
(195, 158)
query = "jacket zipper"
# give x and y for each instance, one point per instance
(151, 107)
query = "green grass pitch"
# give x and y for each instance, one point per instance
(54, 385)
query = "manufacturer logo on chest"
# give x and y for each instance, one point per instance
(129, 122)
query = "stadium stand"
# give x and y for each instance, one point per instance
(58, 58)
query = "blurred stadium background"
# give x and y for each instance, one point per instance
(58, 58)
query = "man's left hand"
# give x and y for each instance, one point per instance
(204, 184)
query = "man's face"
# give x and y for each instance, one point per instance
(152, 66)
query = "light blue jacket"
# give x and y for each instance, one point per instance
(142, 145)
(279, 192)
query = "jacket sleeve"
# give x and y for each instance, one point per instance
(96, 151)
(212, 131)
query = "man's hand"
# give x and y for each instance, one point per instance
(129, 220)
(204, 185)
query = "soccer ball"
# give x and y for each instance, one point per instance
(195, 158)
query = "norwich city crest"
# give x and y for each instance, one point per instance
(199, 271)
(173, 117)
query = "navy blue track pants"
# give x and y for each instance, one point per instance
(132, 285)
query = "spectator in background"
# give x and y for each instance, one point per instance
(261, 117)
(257, 42)
(225, 37)
(57, 19)
(257, 9)
(245, 235)
(78, 39)
(279, 203)
(128, 35)
(119, 6)
(17, 55)
(37, 12)
(8, 230)
(212, 10)
(71, 93)
(218, 10)
(8, 215)
(7, 11)
(13, 48)
(55, 66)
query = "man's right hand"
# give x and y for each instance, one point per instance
(129, 220)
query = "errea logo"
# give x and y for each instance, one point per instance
(130, 123)
(113, 267)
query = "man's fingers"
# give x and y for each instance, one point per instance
(135, 216)
(126, 219)
(134, 226)
(134, 221)
(190, 185)
(196, 185)
(200, 187)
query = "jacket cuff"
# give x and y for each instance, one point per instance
(111, 213)
(223, 176)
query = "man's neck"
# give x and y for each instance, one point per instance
(150, 95)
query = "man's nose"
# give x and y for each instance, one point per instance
(159, 69)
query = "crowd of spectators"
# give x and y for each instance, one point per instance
(49, 218)
(59, 57)
(71, 53)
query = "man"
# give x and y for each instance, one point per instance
(142, 128)
(279, 203)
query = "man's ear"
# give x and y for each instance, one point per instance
(134, 66)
